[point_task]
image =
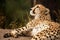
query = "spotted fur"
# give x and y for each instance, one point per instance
(50, 33)
(41, 27)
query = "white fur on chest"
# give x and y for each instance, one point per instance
(39, 28)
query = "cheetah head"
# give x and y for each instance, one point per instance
(39, 10)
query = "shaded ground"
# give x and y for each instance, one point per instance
(3, 31)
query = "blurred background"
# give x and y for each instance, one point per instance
(15, 13)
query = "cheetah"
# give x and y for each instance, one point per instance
(41, 27)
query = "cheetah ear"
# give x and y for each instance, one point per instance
(47, 11)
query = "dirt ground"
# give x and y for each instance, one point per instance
(4, 31)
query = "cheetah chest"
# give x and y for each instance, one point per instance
(40, 27)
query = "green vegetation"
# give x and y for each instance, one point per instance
(17, 12)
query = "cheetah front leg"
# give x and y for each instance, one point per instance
(24, 31)
(12, 33)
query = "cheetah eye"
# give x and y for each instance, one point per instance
(37, 6)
